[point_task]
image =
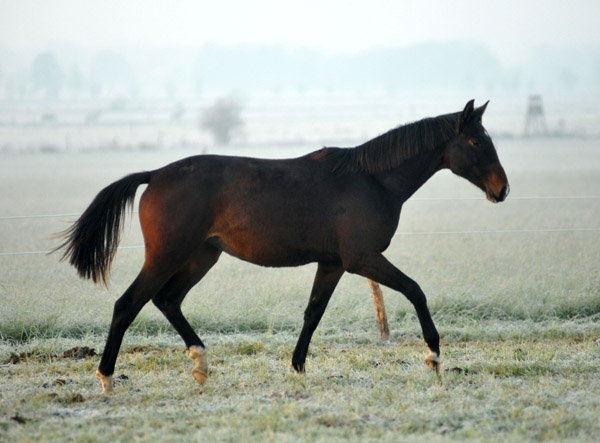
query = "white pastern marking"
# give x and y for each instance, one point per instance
(200, 357)
(433, 356)
(107, 382)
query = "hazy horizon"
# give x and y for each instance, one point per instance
(95, 73)
(511, 29)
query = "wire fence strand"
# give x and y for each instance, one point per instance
(499, 231)
(405, 233)
(414, 199)
(9, 254)
(417, 199)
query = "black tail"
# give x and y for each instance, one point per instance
(91, 243)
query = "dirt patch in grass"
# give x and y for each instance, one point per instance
(78, 352)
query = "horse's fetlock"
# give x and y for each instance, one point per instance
(106, 381)
(200, 371)
(433, 361)
(298, 367)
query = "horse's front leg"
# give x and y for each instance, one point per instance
(326, 279)
(376, 267)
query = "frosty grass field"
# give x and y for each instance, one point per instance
(518, 313)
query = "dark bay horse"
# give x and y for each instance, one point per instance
(337, 207)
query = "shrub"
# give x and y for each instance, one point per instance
(222, 118)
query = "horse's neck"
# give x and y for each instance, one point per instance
(404, 180)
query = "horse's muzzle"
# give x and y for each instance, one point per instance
(504, 192)
(501, 196)
(497, 187)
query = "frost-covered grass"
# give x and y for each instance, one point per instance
(518, 313)
(357, 390)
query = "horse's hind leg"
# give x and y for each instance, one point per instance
(125, 310)
(380, 313)
(170, 297)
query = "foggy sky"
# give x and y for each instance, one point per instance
(511, 28)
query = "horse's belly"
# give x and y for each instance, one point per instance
(270, 251)
(275, 232)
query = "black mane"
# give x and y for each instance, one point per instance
(391, 149)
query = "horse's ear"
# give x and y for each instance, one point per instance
(465, 116)
(479, 111)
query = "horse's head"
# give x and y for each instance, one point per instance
(472, 155)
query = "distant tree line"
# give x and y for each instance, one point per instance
(48, 78)
(183, 72)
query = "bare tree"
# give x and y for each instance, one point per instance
(222, 118)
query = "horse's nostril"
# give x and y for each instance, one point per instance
(504, 192)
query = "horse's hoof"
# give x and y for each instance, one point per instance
(199, 376)
(433, 361)
(200, 371)
(107, 383)
(298, 368)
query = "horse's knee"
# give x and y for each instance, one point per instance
(415, 295)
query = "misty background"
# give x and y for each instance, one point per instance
(149, 75)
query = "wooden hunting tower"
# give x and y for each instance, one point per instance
(535, 122)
